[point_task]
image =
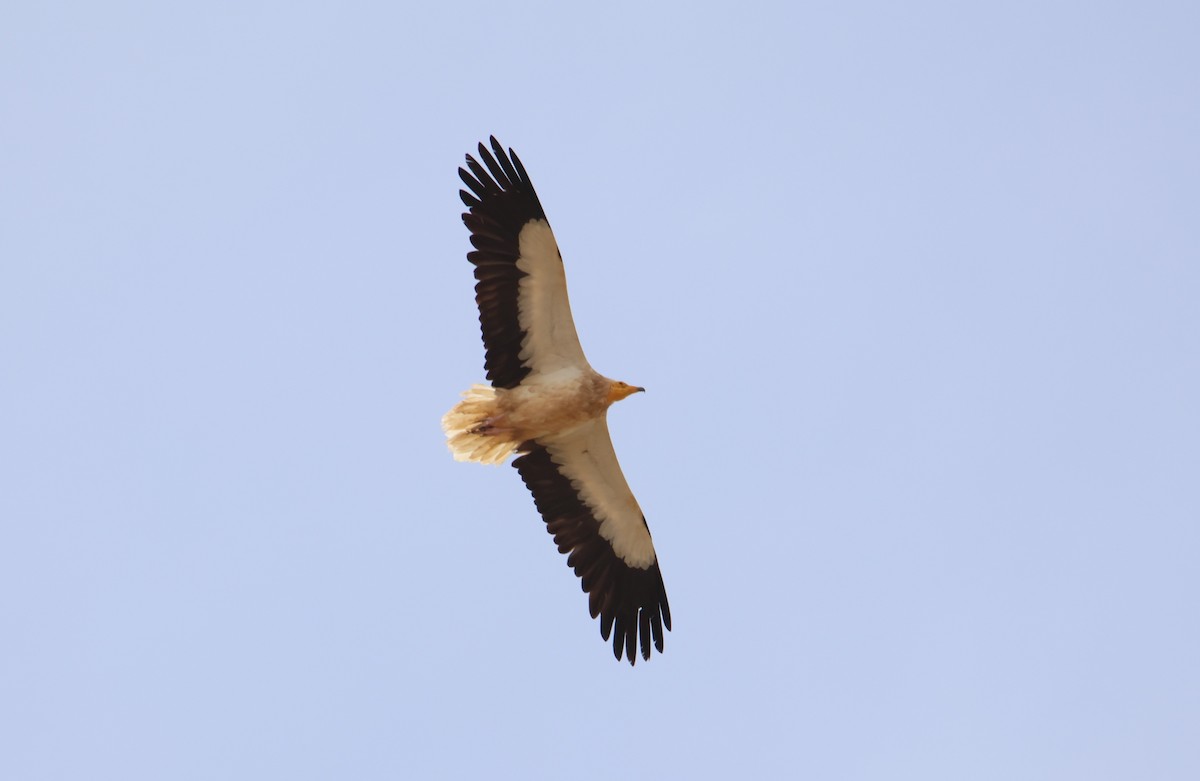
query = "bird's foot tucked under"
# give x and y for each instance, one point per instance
(490, 427)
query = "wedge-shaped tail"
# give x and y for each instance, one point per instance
(469, 430)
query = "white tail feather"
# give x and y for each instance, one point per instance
(466, 437)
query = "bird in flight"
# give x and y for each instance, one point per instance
(547, 405)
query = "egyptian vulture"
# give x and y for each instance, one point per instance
(549, 406)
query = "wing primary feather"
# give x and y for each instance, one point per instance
(631, 641)
(472, 183)
(520, 169)
(644, 632)
(618, 636)
(596, 608)
(486, 184)
(498, 173)
(509, 170)
(606, 625)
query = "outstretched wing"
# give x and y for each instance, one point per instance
(582, 495)
(521, 290)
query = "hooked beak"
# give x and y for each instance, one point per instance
(618, 392)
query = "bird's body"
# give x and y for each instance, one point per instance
(490, 424)
(548, 405)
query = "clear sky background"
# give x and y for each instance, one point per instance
(914, 289)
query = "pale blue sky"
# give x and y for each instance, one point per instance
(914, 289)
